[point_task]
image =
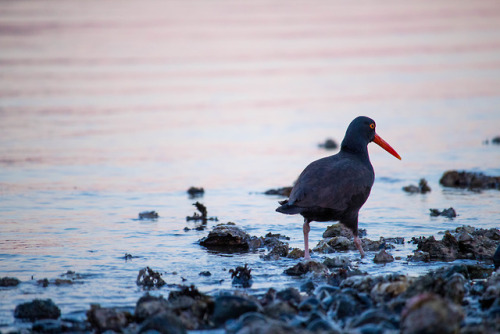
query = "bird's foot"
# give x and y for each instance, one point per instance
(357, 242)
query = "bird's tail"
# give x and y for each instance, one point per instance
(288, 209)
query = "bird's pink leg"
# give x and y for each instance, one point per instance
(357, 242)
(306, 228)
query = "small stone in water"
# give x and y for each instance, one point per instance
(149, 278)
(148, 215)
(195, 192)
(450, 213)
(329, 144)
(242, 276)
(383, 257)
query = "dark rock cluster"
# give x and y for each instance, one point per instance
(465, 242)
(469, 180)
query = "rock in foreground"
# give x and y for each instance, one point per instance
(37, 309)
(465, 242)
(229, 238)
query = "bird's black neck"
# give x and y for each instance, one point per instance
(355, 145)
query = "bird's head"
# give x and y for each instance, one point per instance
(360, 133)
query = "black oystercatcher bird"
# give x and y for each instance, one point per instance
(336, 187)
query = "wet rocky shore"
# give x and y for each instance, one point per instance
(332, 295)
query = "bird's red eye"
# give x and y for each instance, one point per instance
(372, 126)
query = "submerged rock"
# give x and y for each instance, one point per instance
(422, 187)
(229, 238)
(429, 313)
(450, 213)
(471, 180)
(37, 309)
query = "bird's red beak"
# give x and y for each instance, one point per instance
(382, 143)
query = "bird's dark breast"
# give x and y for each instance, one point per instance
(320, 214)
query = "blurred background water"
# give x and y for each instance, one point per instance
(110, 108)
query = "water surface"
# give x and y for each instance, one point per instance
(108, 109)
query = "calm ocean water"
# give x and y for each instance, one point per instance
(111, 108)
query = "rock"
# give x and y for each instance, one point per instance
(496, 258)
(422, 188)
(285, 191)
(491, 295)
(387, 290)
(9, 281)
(195, 192)
(378, 317)
(241, 276)
(449, 213)
(193, 307)
(164, 323)
(337, 262)
(307, 287)
(148, 215)
(277, 247)
(227, 238)
(231, 307)
(148, 278)
(383, 257)
(339, 230)
(202, 216)
(329, 144)
(205, 273)
(107, 318)
(419, 256)
(429, 313)
(295, 253)
(290, 295)
(148, 306)
(342, 244)
(469, 180)
(37, 309)
(280, 310)
(349, 303)
(323, 326)
(496, 140)
(448, 282)
(305, 267)
(59, 326)
(472, 243)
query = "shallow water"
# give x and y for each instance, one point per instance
(107, 111)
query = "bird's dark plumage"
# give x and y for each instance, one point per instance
(336, 187)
